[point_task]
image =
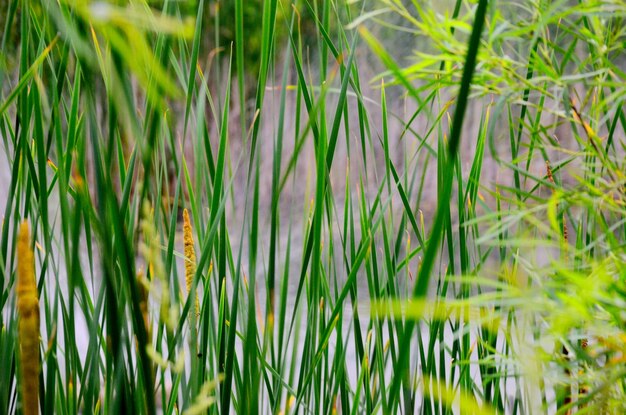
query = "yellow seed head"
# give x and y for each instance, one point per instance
(190, 256)
(28, 322)
(144, 294)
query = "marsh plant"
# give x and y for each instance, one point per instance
(313, 207)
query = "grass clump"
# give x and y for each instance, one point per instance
(291, 211)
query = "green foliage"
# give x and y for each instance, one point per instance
(253, 24)
(448, 237)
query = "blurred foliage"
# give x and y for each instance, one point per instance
(10, 35)
(221, 14)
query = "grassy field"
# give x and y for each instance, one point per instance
(313, 207)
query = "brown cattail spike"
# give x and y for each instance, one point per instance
(190, 256)
(549, 172)
(28, 322)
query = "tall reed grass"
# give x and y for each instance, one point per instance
(313, 207)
